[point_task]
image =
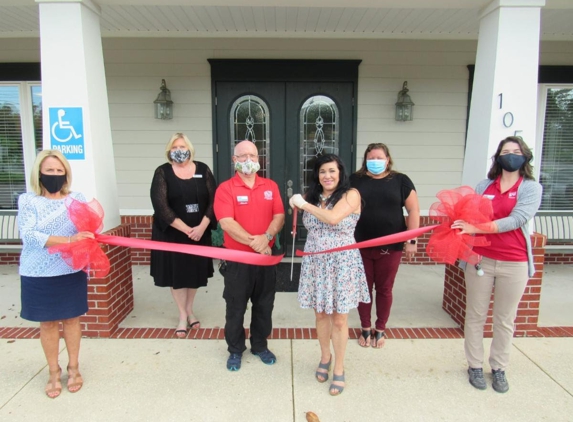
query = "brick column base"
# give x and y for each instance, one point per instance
(454, 299)
(110, 298)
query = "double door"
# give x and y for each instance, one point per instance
(291, 123)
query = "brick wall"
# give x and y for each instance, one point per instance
(558, 258)
(110, 298)
(420, 258)
(10, 258)
(454, 298)
(141, 229)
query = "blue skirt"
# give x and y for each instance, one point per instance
(54, 298)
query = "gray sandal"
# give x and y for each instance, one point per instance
(339, 389)
(323, 376)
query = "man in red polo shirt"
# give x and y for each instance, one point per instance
(251, 213)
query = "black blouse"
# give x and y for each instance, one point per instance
(188, 199)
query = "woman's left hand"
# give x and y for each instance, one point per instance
(81, 236)
(411, 250)
(465, 228)
(196, 233)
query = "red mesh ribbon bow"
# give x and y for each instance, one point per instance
(445, 244)
(85, 254)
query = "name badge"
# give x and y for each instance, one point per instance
(198, 176)
(191, 208)
(243, 199)
(490, 197)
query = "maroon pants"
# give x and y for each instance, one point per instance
(381, 266)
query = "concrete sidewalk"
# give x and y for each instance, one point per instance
(186, 380)
(174, 380)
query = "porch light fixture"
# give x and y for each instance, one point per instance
(404, 105)
(163, 103)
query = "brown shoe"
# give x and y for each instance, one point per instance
(53, 390)
(75, 380)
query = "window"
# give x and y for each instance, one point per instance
(556, 169)
(318, 134)
(250, 121)
(20, 137)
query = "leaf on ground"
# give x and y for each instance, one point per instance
(11, 341)
(311, 417)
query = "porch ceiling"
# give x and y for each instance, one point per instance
(415, 19)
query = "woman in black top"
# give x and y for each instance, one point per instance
(182, 194)
(385, 193)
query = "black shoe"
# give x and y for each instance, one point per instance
(476, 378)
(234, 361)
(499, 381)
(266, 356)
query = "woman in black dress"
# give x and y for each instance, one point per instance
(182, 194)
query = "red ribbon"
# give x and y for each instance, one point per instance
(379, 241)
(206, 251)
(445, 245)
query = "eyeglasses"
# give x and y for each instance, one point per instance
(245, 156)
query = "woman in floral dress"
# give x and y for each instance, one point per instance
(331, 283)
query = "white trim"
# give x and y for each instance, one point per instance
(541, 106)
(87, 3)
(135, 212)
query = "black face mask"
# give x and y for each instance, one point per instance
(52, 183)
(511, 162)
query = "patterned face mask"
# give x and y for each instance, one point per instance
(247, 167)
(180, 156)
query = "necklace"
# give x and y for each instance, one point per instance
(324, 198)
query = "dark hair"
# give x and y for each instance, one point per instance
(363, 170)
(526, 170)
(315, 189)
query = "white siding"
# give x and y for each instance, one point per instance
(429, 149)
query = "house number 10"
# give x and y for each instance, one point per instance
(507, 117)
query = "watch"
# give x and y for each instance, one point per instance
(412, 242)
(269, 237)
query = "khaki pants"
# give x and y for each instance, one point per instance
(510, 279)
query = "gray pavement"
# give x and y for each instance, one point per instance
(186, 380)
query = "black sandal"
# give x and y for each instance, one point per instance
(378, 335)
(366, 334)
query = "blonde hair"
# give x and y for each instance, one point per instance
(188, 143)
(37, 187)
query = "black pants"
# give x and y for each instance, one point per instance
(244, 282)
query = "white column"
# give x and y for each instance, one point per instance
(73, 80)
(504, 94)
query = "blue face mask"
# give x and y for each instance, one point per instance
(376, 166)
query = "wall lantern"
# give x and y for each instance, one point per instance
(404, 105)
(163, 103)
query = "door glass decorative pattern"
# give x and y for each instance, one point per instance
(318, 134)
(250, 121)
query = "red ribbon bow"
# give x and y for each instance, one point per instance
(85, 254)
(447, 245)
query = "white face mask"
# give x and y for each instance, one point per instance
(247, 167)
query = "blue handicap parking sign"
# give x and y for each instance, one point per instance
(67, 131)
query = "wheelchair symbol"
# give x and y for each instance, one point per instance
(65, 126)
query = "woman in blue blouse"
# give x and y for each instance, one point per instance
(51, 290)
